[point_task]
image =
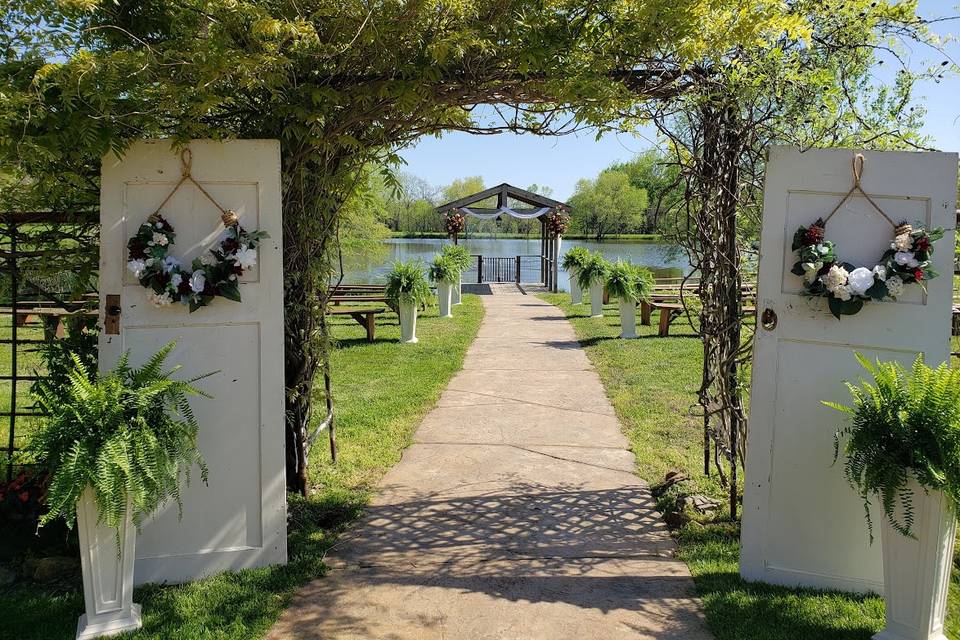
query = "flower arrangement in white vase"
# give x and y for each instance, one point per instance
(902, 449)
(629, 284)
(461, 258)
(444, 273)
(118, 447)
(591, 277)
(573, 260)
(407, 289)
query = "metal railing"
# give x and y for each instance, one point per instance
(523, 268)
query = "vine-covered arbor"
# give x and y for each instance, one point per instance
(506, 197)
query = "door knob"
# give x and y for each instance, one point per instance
(768, 320)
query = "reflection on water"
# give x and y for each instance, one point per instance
(372, 266)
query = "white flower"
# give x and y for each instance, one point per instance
(810, 270)
(902, 242)
(198, 281)
(208, 259)
(246, 257)
(160, 239)
(905, 259)
(880, 271)
(158, 225)
(137, 267)
(175, 281)
(823, 249)
(149, 262)
(894, 286)
(170, 263)
(860, 280)
(835, 278)
(844, 293)
(159, 299)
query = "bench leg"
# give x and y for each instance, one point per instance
(371, 326)
(645, 313)
(666, 316)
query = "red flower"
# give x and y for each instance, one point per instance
(922, 244)
(184, 287)
(813, 235)
(24, 496)
(918, 274)
(230, 245)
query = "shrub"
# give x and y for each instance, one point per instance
(407, 284)
(128, 435)
(575, 258)
(628, 282)
(443, 269)
(902, 426)
(594, 269)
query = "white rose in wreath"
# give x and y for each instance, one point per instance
(170, 263)
(137, 267)
(894, 286)
(835, 278)
(860, 280)
(175, 281)
(246, 257)
(905, 259)
(198, 280)
(843, 293)
(880, 271)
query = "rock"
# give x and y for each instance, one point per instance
(7, 577)
(674, 477)
(701, 503)
(55, 568)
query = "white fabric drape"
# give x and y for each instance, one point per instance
(505, 210)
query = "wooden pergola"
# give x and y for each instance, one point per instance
(538, 206)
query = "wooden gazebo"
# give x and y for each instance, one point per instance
(537, 206)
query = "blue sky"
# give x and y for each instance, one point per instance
(559, 162)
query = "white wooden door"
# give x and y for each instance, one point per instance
(239, 519)
(802, 523)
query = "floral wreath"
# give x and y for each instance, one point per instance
(557, 223)
(845, 286)
(217, 272)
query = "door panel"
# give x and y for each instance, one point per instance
(802, 523)
(239, 519)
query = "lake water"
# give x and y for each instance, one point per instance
(665, 260)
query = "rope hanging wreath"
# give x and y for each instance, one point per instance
(215, 273)
(846, 286)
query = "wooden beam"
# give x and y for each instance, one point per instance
(503, 192)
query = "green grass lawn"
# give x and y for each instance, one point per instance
(381, 391)
(652, 383)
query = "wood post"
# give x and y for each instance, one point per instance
(518, 270)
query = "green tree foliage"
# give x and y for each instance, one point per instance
(342, 84)
(653, 171)
(610, 204)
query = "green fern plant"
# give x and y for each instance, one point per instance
(901, 426)
(407, 284)
(628, 282)
(459, 255)
(594, 269)
(129, 435)
(444, 269)
(575, 258)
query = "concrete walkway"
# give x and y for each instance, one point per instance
(515, 515)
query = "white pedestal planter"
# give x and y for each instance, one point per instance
(628, 319)
(408, 323)
(916, 572)
(444, 297)
(107, 577)
(596, 300)
(576, 293)
(456, 295)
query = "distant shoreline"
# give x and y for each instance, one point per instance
(651, 238)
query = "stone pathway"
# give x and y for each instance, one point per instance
(514, 515)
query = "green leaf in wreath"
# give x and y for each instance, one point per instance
(879, 290)
(230, 291)
(797, 269)
(840, 308)
(798, 238)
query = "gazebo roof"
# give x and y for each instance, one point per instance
(503, 192)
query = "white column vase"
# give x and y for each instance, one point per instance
(445, 297)
(916, 572)
(628, 319)
(107, 577)
(456, 295)
(408, 323)
(576, 293)
(596, 299)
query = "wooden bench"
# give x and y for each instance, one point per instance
(669, 310)
(52, 317)
(365, 317)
